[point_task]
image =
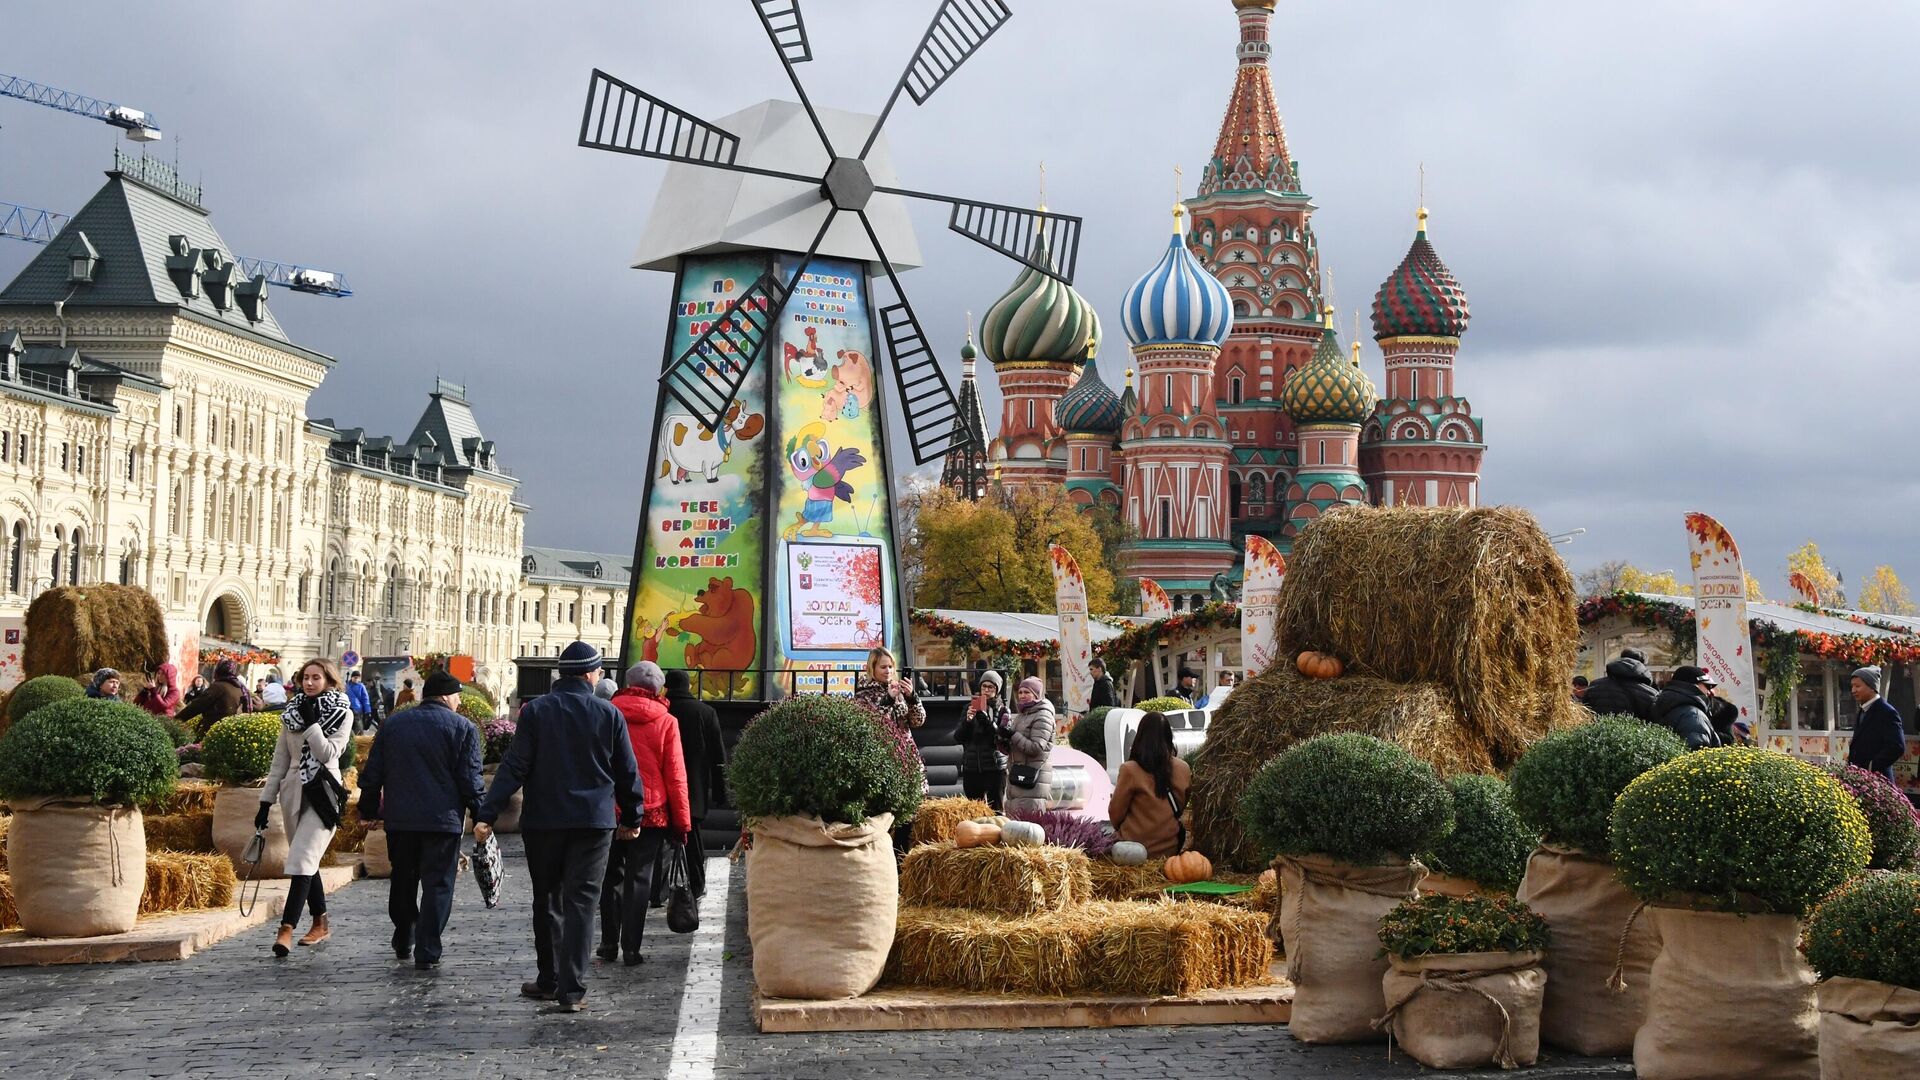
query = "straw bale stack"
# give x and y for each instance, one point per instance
(1016, 881)
(189, 796)
(9, 916)
(177, 881)
(934, 821)
(6, 821)
(183, 832)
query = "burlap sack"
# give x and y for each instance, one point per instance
(374, 861)
(78, 868)
(1868, 1031)
(822, 903)
(1329, 924)
(233, 810)
(1466, 1010)
(1586, 906)
(1730, 998)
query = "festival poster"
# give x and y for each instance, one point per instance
(1154, 601)
(1720, 612)
(696, 598)
(831, 524)
(1076, 639)
(1260, 605)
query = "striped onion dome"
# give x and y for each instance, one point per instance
(1421, 298)
(1329, 389)
(1177, 302)
(1091, 407)
(1041, 319)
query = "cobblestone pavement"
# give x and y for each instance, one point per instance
(349, 1009)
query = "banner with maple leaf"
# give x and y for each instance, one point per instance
(1725, 642)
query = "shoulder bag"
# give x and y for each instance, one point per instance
(683, 914)
(326, 796)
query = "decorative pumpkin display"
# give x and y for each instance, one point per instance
(1128, 853)
(968, 834)
(1319, 665)
(1022, 834)
(1189, 867)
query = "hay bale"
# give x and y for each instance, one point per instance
(1151, 949)
(351, 834)
(6, 820)
(1111, 881)
(1003, 880)
(184, 882)
(1475, 602)
(186, 832)
(933, 823)
(75, 630)
(9, 915)
(190, 796)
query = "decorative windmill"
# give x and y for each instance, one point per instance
(742, 489)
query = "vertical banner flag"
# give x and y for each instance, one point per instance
(1154, 601)
(1260, 605)
(1076, 641)
(1720, 612)
(1804, 585)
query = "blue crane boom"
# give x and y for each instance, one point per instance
(139, 126)
(33, 226)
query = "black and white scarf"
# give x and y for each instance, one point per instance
(329, 710)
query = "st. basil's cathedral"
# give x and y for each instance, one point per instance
(1240, 413)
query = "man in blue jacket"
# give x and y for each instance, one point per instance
(421, 778)
(360, 703)
(571, 754)
(1879, 738)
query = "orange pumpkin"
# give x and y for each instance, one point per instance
(1188, 867)
(968, 834)
(1319, 665)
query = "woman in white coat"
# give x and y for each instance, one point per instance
(314, 730)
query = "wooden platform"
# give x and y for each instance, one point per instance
(164, 937)
(914, 1009)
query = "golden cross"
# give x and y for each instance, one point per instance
(1043, 187)
(1423, 183)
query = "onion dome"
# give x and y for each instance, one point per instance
(1177, 302)
(1421, 298)
(1040, 320)
(1329, 389)
(1091, 407)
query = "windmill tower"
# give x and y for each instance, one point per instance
(766, 556)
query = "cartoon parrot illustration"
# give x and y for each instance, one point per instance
(822, 470)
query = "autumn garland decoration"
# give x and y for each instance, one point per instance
(1858, 650)
(1138, 640)
(964, 638)
(239, 656)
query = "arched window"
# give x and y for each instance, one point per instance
(1233, 495)
(1237, 390)
(389, 594)
(73, 558)
(17, 558)
(1241, 309)
(1257, 489)
(333, 576)
(58, 546)
(126, 568)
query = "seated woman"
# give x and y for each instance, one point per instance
(1152, 791)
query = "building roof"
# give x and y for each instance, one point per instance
(1039, 319)
(566, 566)
(449, 427)
(1091, 407)
(1177, 301)
(1798, 621)
(1251, 151)
(1329, 389)
(1420, 297)
(1016, 626)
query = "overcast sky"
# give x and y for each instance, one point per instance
(1688, 230)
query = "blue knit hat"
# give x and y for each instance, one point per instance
(579, 658)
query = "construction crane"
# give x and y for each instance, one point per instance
(41, 226)
(139, 126)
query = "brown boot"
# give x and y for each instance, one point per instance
(318, 933)
(283, 941)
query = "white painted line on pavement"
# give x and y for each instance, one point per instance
(696, 1037)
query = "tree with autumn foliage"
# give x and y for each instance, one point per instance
(1885, 594)
(1807, 570)
(1619, 575)
(991, 554)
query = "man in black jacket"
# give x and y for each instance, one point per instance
(1685, 708)
(1102, 686)
(1879, 738)
(705, 752)
(571, 752)
(1627, 689)
(420, 779)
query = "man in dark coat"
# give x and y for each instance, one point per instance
(420, 779)
(1879, 738)
(571, 753)
(1102, 686)
(1627, 689)
(705, 752)
(1188, 687)
(1685, 708)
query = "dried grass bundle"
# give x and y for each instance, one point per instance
(189, 796)
(77, 630)
(6, 822)
(972, 950)
(1004, 880)
(183, 832)
(183, 882)
(1159, 950)
(1111, 881)
(1476, 602)
(351, 834)
(9, 918)
(933, 823)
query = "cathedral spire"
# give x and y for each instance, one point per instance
(1251, 153)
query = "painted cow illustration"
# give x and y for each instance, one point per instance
(693, 449)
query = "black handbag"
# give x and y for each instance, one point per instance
(683, 914)
(326, 796)
(1024, 776)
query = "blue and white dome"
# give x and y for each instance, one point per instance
(1177, 302)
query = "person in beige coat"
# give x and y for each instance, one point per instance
(314, 731)
(1030, 749)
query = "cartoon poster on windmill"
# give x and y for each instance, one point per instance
(832, 518)
(698, 593)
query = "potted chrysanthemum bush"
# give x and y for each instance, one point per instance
(75, 773)
(1486, 853)
(1345, 813)
(1465, 983)
(238, 752)
(1864, 942)
(819, 782)
(1891, 817)
(1564, 787)
(1731, 848)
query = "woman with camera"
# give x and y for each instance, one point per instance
(983, 768)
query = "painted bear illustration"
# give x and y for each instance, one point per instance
(725, 625)
(852, 391)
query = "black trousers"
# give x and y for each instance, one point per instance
(627, 890)
(303, 889)
(566, 866)
(991, 786)
(420, 895)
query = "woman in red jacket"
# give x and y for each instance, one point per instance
(665, 817)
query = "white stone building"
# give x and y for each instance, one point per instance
(572, 595)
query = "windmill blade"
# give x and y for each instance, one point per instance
(625, 119)
(787, 29)
(926, 397)
(958, 30)
(1002, 228)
